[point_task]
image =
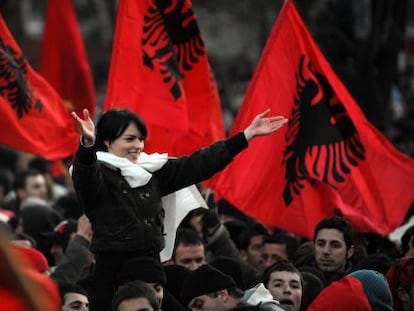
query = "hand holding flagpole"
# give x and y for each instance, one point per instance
(262, 126)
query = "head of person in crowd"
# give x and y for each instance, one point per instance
(175, 275)
(68, 206)
(189, 250)
(333, 245)
(377, 261)
(276, 246)
(209, 289)
(401, 281)
(6, 180)
(312, 286)
(251, 244)
(285, 283)
(348, 293)
(145, 269)
(407, 242)
(59, 238)
(376, 289)
(242, 273)
(304, 255)
(135, 296)
(74, 297)
(30, 183)
(227, 212)
(116, 123)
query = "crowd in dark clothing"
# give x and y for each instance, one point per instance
(221, 259)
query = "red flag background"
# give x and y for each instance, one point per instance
(63, 59)
(159, 69)
(32, 117)
(328, 158)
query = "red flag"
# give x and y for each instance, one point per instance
(63, 59)
(159, 69)
(328, 158)
(32, 117)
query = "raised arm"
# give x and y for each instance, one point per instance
(85, 127)
(262, 126)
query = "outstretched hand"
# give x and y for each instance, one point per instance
(85, 126)
(261, 126)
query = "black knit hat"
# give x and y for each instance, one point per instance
(146, 269)
(206, 279)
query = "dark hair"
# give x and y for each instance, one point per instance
(65, 288)
(186, 237)
(283, 238)
(135, 289)
(250, 231)
(280, 265)
(405, 240)
(21, 177)
(113, 123)
(340, 224)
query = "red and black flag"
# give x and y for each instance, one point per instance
(63, 59)
(32, 116)
(328, 159)
(159, 69)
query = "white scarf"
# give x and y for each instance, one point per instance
(176, 205)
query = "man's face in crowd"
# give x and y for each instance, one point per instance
(272, 252)
(35, 186)
(191, 256)
(135, 304)
(286, 287)
(253, 255)
(75, 302)
(331, 253)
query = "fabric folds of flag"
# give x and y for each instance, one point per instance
(63, 59)
(159, 69)
(32, 117)
(328, 159)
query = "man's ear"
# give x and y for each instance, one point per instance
(350, 252)
(403, 295)
(107, 143)
(223, 294)
(243, 254)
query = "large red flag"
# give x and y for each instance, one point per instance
(63, 59)
(32, 117)
(159, 69)
(328, 158)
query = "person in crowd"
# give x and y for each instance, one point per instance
(407, 242)
(150, 271)
(120, 187)
(27, 183)
(362, 290)
(189, 250)
(333, 247)
(74, 297)
(251, 245)
(209, 289)
(175, 275)
(285, 283)
(278, 246)
(312, 286)
(135, 296)
(401, 280)
(70, 248)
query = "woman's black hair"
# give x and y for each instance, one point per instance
(113, 123)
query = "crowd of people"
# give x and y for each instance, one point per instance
(91, 240)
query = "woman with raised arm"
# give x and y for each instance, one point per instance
(120, 187)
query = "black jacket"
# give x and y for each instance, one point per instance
(131, 220)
